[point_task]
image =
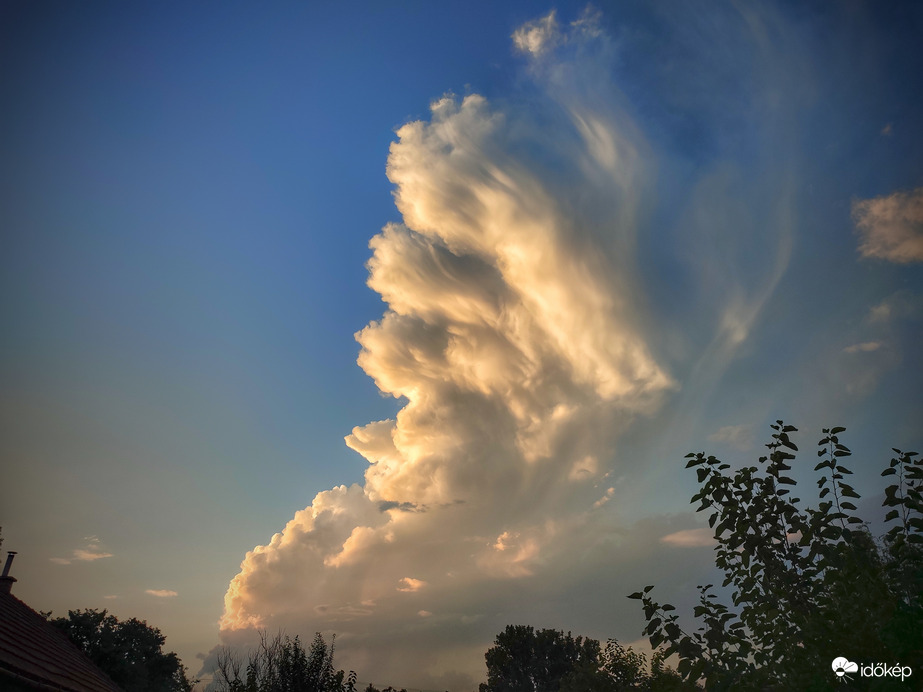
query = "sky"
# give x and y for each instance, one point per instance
(395, 322)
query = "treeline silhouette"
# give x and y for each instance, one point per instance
(521, 660)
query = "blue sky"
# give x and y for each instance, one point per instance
(676, 223)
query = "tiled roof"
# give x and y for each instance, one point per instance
(32, 650)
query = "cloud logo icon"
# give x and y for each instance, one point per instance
(841, 666)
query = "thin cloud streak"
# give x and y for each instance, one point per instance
(689, 538)
(864, 347)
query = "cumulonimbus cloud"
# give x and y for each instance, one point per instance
(891, 227)
(512, 338)
(516, 338)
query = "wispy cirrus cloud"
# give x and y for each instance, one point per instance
(161, 593)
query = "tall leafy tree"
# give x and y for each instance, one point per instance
(806, 584)
(525, 660)
(130, 651)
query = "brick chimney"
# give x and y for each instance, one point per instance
(6, 581)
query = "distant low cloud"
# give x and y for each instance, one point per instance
(897, 307)
(690, 538)
(89, 553)
(161, 593)
(410, 584)
(610, 493)
(738, 436)
(866, 347)
(891, 227)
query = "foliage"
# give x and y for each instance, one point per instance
(620, 669)
(130, 652)
(525, 660)
(807, 585)
(281, 664)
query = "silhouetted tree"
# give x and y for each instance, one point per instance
(807, 585)
(620, 670)
(281, 664)
(130, 652)
(523, 660)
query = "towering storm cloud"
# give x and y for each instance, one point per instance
(515, 337)
(519, 338)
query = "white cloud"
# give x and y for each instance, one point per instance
(161, 593)
(899, 306)
(881, 312)
(538, 36)
(82, 555)
(610, 493)
(508, 334)
(864, 347)
(737, 436)
(89, 553)
(689, 538)
(887, 338)
(891, 227)
(411, 584)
